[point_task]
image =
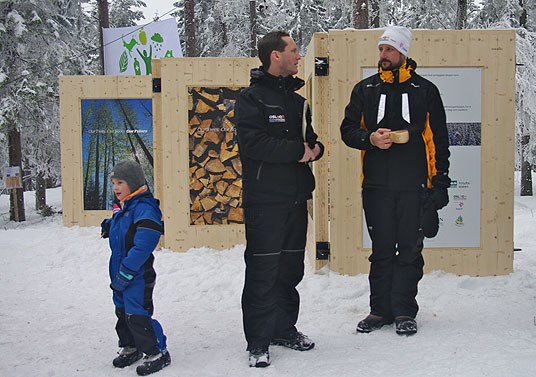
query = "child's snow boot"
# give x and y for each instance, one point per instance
(153, 363)
(127, 356)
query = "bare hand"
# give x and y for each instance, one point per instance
(316, 150)
(308, 154)
(380, 138)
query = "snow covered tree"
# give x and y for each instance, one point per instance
(122, 14)
(39, 41)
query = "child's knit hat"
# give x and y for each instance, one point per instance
(130, 172)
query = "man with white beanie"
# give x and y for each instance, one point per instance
(397, 119)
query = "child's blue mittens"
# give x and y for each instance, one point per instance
(122, 279)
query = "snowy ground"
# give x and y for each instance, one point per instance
(56, 315)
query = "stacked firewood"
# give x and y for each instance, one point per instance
(215, 166)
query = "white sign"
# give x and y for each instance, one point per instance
(13, 177)
(130, 50)
(461, 92)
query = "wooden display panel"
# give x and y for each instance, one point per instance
(491, 50)
(73, 91)
(316, 92)
(181, 78)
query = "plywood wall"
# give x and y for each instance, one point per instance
(337, 214)
(494, 52)
(72, 90)
(177, 76)
(316, 92)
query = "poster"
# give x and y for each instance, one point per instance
(215, 168)
(130, 50)
(461, 92)
(113, 130)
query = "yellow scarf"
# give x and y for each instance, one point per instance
(404, 73)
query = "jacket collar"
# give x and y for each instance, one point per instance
(399, 75)
(288, 84)
(140, 191)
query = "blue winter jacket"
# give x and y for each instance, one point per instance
(134, 233)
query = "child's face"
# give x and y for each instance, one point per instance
(121, 189)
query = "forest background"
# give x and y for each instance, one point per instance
(41, 40)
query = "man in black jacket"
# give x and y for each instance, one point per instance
(276, 143)
(403, 183)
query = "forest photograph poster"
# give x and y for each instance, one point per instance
(114, 130)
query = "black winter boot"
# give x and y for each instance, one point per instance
(127, 356)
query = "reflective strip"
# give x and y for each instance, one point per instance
(381, 108)
(405, 107)
(266, 255)
(292, 250)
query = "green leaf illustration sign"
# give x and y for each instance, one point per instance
(157, 38)
(123, 62)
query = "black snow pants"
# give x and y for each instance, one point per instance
(274, 257)
(396, 264)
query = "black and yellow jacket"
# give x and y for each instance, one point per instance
(379, 102)
(270, 137)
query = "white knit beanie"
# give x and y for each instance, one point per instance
(397, 36)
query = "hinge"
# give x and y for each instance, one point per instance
(321, 66)
(322, 251)
(157, 85)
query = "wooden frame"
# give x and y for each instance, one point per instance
(491, 50)
(177, 76)
(73, 89)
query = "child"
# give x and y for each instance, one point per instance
(134, 231)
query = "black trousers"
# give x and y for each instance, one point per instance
(274, 256)
(396, 263)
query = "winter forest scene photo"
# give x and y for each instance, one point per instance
(57, 314)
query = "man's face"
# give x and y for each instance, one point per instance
(286, 61)
(390, 57)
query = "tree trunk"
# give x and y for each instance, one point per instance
(189, 16)
(16, 205)
(40, 192)
(526, 168)
(375, 9)
(360, 13)
(253, 26)
(104, 22)
(523, 15)
(461, 15)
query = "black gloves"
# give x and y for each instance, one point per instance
(105, 228)
(430, 222)
(439, 196)
(123, 278)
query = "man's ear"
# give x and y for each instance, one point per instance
(275, 55)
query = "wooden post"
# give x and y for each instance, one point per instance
(16, 206)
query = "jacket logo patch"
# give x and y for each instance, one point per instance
(276, 118)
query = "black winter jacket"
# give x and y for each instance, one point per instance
(269, 126)
(402, 166)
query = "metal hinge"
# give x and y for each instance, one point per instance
(321, 66)
(322, 251)
(157, 85)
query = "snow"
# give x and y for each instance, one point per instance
(57, 318)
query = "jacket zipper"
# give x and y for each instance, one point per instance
(259, 171)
